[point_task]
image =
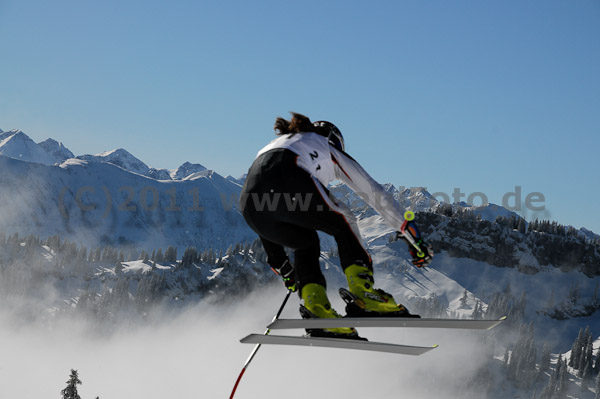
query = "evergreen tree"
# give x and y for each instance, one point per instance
(576, 350)
(120, 294)
(171, 254)
(190, 256)
(119, 268)
(70, 392)
(545, 361)
(464, 300)
(159, 256)
(522, 367)
(557, 386)
(478, 312)
(585, 343)
(597, 387)
(586, 377)
(586, 362)
(82, 255)
(562, 379)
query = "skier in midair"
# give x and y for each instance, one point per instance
(285, 200)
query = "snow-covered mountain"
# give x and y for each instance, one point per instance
(238, 180)
(589, 234)
(113, 198)
(96, 202)
(120, 157)
(185, 170)
(57, 150)
(88, 197)
(124, 159)
(18, 145)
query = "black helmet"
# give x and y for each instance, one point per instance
(331, 131)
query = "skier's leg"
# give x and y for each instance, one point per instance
(308, 275)
(324, 213)
(306, 259)
(304, 243)
(276, 255)
(338, 221)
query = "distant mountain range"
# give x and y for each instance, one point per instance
(16, 144)
(114, 198)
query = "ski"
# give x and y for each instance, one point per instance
(356, 322)
(341, 343)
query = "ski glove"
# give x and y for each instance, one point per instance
(421, 258)
(421, 252)
(286, 271)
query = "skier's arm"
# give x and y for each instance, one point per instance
(350, 172)
(421, 252)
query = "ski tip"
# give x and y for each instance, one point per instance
(503, 318)
(434, 346)
(247, 339)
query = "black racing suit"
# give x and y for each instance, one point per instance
(285, 201)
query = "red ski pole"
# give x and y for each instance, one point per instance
(257, 347)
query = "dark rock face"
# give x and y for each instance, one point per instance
(511, 243)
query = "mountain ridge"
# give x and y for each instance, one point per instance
(146, 197)
(53, 152)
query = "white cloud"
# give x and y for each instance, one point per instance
(197, 354)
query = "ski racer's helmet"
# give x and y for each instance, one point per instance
(332, 133)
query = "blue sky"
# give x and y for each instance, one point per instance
(480, 96)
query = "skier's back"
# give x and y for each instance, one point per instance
(285, 201)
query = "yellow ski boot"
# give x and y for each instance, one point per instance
(365, 301)
(317, 305)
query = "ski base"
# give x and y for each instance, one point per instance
(385, 322)
(340, 343)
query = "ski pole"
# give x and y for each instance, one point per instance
(409, 227)
(257, 347)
